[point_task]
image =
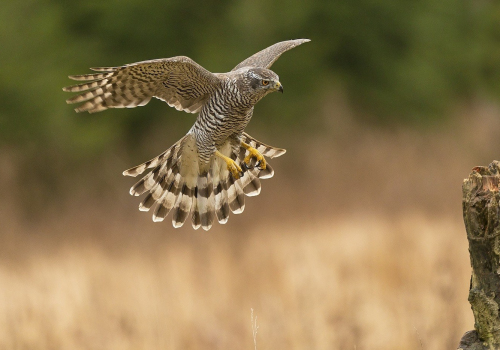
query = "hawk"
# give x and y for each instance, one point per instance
(208, 172)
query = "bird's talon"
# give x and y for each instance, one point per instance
(235, 170)
(232, 167)
(253, 153)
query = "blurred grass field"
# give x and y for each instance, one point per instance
(359, 247)
(355, 282)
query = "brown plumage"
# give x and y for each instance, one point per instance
(206, 174)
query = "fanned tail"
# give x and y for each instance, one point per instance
(177, 184)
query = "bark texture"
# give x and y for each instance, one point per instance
(481, 211)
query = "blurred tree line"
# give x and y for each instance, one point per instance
(396, 61)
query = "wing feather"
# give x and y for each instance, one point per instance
(179, 81)
(268, 56)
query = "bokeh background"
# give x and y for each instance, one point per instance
(356, 243)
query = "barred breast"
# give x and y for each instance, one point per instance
(225, 114)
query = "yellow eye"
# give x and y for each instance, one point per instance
(265, 82)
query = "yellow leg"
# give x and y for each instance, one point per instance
(231, 165)
(253, 153)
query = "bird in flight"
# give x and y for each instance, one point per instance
(208, 172)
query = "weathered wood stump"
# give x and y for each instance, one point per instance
(481, 210)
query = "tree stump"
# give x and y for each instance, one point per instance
(481, 211)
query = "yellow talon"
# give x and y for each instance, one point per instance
(253, 153)
(231, 165)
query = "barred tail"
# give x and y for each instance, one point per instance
(168, 186)
(177, 183)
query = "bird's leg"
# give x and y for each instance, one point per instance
(231, 165)
(253, 153)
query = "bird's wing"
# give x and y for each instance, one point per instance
(268, 56)
(179, 81)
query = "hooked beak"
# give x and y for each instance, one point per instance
(279, 87)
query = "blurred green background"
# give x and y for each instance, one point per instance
(396, 62)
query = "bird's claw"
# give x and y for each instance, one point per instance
(235, 169)
(232, 167)
(253, 153)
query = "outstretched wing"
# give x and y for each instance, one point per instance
(179, 81)
(268, 56)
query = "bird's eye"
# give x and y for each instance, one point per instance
(265, 82)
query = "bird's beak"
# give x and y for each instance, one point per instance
(279, 87)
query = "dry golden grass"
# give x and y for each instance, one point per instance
(347, 283)
(357, 243)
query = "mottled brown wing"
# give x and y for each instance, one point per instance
(268, 56)
(179, 81)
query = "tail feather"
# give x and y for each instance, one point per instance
(170, 154)
(235, 196)
(195, 216)
(160, 184)
(146, 183)
(221, 201)
(157, 177)
(253, 188)
(250, 182)
(147, 203)
(267, 173)
(168, 198)
(177, 184)
(265, 150)
(219, 179)
(182, 207)
(206, 201)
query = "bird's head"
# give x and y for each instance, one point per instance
(262, 81)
